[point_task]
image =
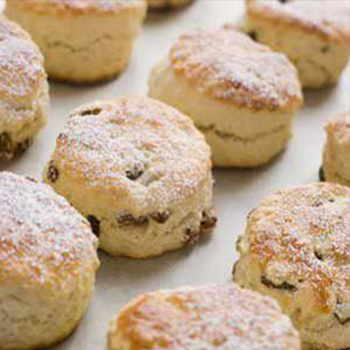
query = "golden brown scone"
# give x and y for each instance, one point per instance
(215, 317)
(83, 41)
(336, 154)
(24, 95)
(139, 171)
(167, 4)
(48, 262)
(297, 250)
(314, 34)
(240, 94)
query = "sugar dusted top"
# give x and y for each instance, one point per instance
(44, 242)
(78, 6)
(300, 237)
(137, 150)
(339, 126)
(229, 66)
(21, 65)
(328, 18)
(222, 317)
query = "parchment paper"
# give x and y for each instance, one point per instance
(236, 191)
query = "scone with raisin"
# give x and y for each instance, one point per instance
(167, 4)
(83, 41)
(48, 262)
(240, 94)
(314, 34)
(297, 250)
(140, 172)
(210, 318)
(336, 154)
(24, 97)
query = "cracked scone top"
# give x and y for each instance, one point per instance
(215, 317)
(88, 40)
(77, 6)
(326, 18)
(297, 249)
(47, 264)
(144, 162)
(229, 66)
(23, 89)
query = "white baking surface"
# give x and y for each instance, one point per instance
(236, 191)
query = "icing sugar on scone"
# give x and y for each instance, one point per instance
(296, 249)
(48, 262)
(216, 317)
(138, 170)
(23, 90)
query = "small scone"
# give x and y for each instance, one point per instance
(297, 250)
(240, 94)
(314, 34)
(83, 41)
(48, 262)
(336, 154)
(210, 318)
(24, 95)
(167, 4)
(139, 171)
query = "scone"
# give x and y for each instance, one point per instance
(47, 265)
(336, 154)
(297, 249)
(83, 41)
(24, 95)
(210, 318)
(240, 94)
(314, 34)
(139, 171)
(167, 4)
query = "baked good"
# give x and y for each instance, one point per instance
(47, 265)
(83, 41)
(233, 89)
(215, 317)
(297, 249)
(23, 90)
(167, 4)
(139, 171)
(315, 35)
(336, 154)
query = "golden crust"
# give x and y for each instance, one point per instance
(44, 241)
(303, 235)
(229, 66)
(107, 145)
(21, 64)
(218, 317)
(328, 18)
(339, 127)
(77, 7)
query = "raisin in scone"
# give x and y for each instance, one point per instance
(210, 318)
(297, 250)
(24, 95)
(167, 4)
(83, 41)
(315, 34)
(139, 171)
(240, 94)
(48, 262)
(336, 154)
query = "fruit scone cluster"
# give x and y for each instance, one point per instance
(133, 176)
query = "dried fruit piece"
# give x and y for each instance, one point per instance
(52, 173)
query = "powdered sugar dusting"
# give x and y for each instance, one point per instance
(43, 240)
(218, 317)
(339, 126)
(229, 66)
(105, 141)
(302, 237)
